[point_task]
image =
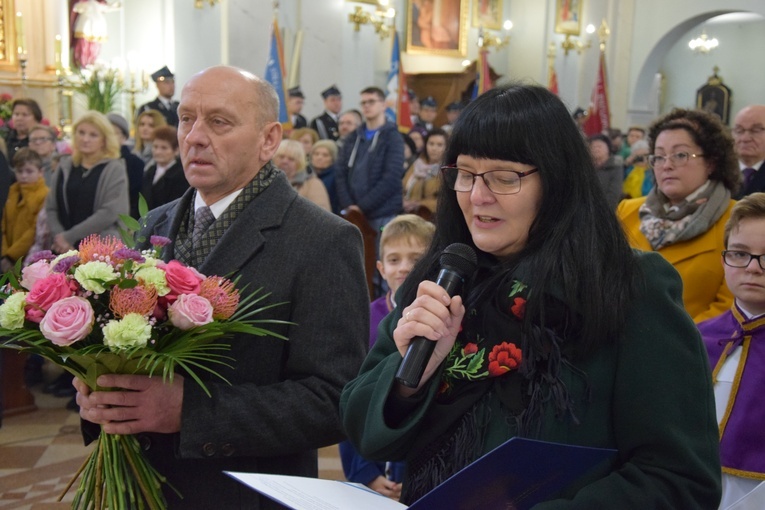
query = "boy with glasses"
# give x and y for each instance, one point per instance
(735, 342)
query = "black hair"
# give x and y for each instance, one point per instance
(433, 132)
(380, 93)
(31, 104)
(576, 247)
(603, 138)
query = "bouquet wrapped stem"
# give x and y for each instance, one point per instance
(116, 475)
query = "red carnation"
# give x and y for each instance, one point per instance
(503, 358)
(518, 307)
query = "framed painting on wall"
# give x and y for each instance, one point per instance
(487, 14)
(437, 27)
(714, 97)
(568, 17)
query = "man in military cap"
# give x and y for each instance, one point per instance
(294, 106)
(453, 111)
(165, 81)
(326, 123)
(428, 112)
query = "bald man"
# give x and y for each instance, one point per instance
(282, 403)
(749, 135)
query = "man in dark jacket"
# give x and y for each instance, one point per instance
(164, 103)
(371, 164)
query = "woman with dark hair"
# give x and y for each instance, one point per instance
(683, 216)
(565, 334)
(26, 114)
(608, 168)
(422, 181)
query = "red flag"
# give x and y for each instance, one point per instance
(552, 84)
(599, 118)
(483, 80)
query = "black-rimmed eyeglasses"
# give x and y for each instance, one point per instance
(741, 259)
(501, 182)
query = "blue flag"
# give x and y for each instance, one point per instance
(275, 74)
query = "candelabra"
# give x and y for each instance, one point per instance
(132, 91)
(487, 39)
(379, 20)
(23, 58)
(569, 44)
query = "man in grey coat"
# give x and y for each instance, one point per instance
(282, 403)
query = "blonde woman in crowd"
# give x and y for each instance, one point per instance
(290, 158)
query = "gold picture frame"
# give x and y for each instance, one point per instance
(437, 27)
(8, 57)
(487, 14)
(568, 17)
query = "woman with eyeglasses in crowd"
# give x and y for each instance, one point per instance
(562, 334)
(683, 216)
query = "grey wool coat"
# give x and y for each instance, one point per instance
(282, 403)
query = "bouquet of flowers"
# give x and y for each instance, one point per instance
(107, 308)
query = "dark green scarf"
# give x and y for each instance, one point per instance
(500, 353)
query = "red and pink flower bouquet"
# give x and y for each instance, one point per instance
(107, 308)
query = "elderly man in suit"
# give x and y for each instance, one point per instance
(282, 403)
(749, 135)
(164, 103)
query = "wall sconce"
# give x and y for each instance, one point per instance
(200, 4)
(572, 43)
(382, 19)
(488, 39)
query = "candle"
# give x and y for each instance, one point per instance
(144, 80)
(21, 46)
(57, 53)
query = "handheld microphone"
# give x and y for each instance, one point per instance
(458, 262)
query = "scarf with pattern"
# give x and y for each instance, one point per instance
(688, 219)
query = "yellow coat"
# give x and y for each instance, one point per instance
(698, 260)
(20, 216)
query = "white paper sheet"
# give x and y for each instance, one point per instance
(301, 493)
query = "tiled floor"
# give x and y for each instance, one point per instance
(41, 451)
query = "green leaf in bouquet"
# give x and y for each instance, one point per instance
(127, 284)
(143, 206)
(130, 222)
(127, 237)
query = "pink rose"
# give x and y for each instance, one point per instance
(34, 272)
(44, 293)
(68, 321)
(181, 279)
(190, 311)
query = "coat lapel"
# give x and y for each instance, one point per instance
(244, 237)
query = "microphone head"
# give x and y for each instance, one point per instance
(460, 258)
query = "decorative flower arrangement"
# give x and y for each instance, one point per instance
(6, 112)
(108, 308)
(101, 87)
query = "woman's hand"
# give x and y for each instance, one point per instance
(434, 316)
(386, 487)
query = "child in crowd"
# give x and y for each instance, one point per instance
(26, 198)
(403, 241)
(735, 342)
